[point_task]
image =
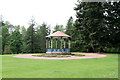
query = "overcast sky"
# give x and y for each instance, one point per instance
(52, 12)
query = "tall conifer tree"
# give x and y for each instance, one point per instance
(90, 24)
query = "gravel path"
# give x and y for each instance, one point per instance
(87, 56)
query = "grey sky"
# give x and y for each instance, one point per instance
(52, 12)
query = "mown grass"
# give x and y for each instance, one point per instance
(76, 68)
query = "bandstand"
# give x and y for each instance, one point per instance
(58, 43)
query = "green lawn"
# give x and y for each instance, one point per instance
(79, 68)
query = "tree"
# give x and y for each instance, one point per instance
(71, 30)
(7, 49)
(23, 39)
(1, 21)
(90, 24)
(0, 40)
(59, 27)
(17, 27)
(112, 20)
(15, 42)
(30, 38)
(10, 27)
(5, 37)
(69, 27)
(40, 39)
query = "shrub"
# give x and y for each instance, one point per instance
(79, 55)
(63, 56)
(49, 55)
(38, 55)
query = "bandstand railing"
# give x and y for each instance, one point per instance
(58, 50)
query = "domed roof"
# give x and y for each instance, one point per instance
(58, 34)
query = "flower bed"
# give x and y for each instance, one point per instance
(46, 55)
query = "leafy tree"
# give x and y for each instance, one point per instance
(15, 42)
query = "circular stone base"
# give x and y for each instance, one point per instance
(87, 56)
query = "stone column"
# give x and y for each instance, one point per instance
(69, 43)
(61, 42)
(64, 43)
(56, 43)
(51, 42)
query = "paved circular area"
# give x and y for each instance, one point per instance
(87, 56)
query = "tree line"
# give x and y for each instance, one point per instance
(97, 26)
(96, 29)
